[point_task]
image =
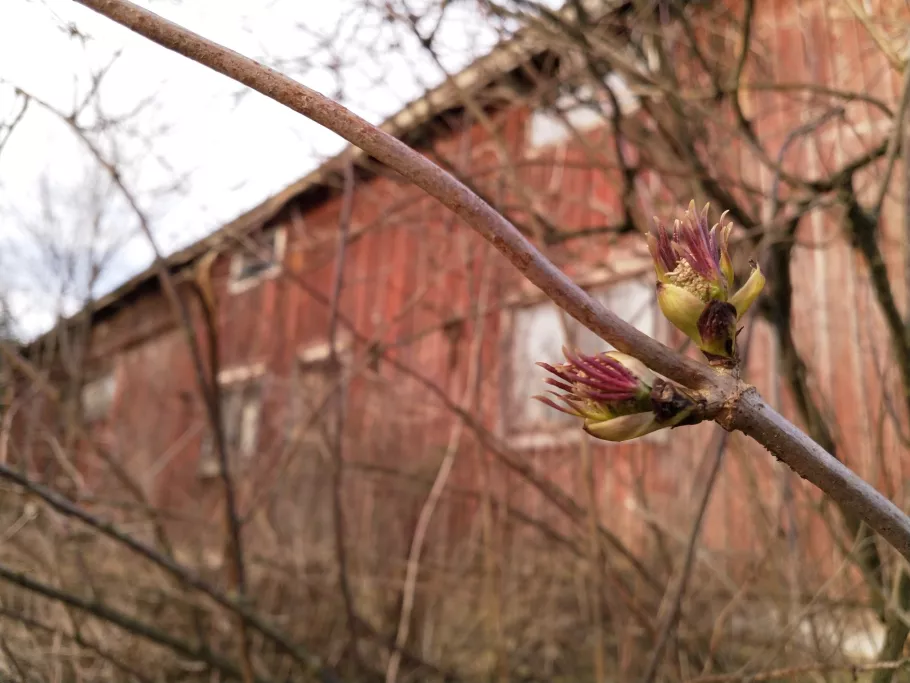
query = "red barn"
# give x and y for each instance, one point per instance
(351, 301)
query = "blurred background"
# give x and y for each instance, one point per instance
(265, 407)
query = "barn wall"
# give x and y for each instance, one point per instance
(413, 279)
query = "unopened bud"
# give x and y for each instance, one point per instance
(610, 392)
(695, 275)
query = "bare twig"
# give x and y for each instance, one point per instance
(33, 624)
(7, 129)
(208, 389)
(790, 673)
(895, 143)
(677, 589)
(121, 620)
(68, 509)
(428, 508)
(677, 592)
(41, 384)
(340, 399)
(880, 39)
(12, 659)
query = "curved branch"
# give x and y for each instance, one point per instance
(420, 171)
(755, 418)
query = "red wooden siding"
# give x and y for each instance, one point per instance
(411, 267)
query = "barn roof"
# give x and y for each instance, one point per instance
(415, 119)
(416, 116)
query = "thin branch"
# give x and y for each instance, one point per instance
(677, 589)
(68, 509)
(862, 228)
(773, 205)
(40, 383)
(77, 639)
(894, 145)
(7, 129)
(428, 508)
(880, 39)
(340, 396)
(675, 596)
(123, 621)
(209, 389)
(13, 660)
(791, 673)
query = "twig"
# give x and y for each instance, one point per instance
(13, 660)
(41, 384)
(677, 591)
(11, 127)
(682, 580)
(773, 205)
(123, 621)
(905, 215)
(894, 145)
(208, 389)
(790, 672)
(77, 639)
(68, 509)
(340, 397)
(432, 500)
(876, 35)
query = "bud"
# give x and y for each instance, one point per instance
(610, 391)
(695, 282)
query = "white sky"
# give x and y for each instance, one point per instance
(232, 148)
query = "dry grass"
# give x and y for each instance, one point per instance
(534, 613)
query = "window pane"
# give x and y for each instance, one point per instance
(584, 107)
(249, 425)
(539, 335)
(256, 254)
(230, 415)
(97, 397)
(635, 302)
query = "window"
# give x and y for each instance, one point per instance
(538, 334)
(314, 381)
(259, 256)
(98, 396)
(316, 376)
(582, 108)
(241, 404)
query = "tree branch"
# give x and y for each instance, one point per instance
(894, 146)
(339, 399)
(184, 576)
(123, 621)
(420, 171)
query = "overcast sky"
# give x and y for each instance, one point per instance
(229, 149)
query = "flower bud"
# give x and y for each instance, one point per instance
(610, 391)
(695, 275)
(625, 427)
(717, 330)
